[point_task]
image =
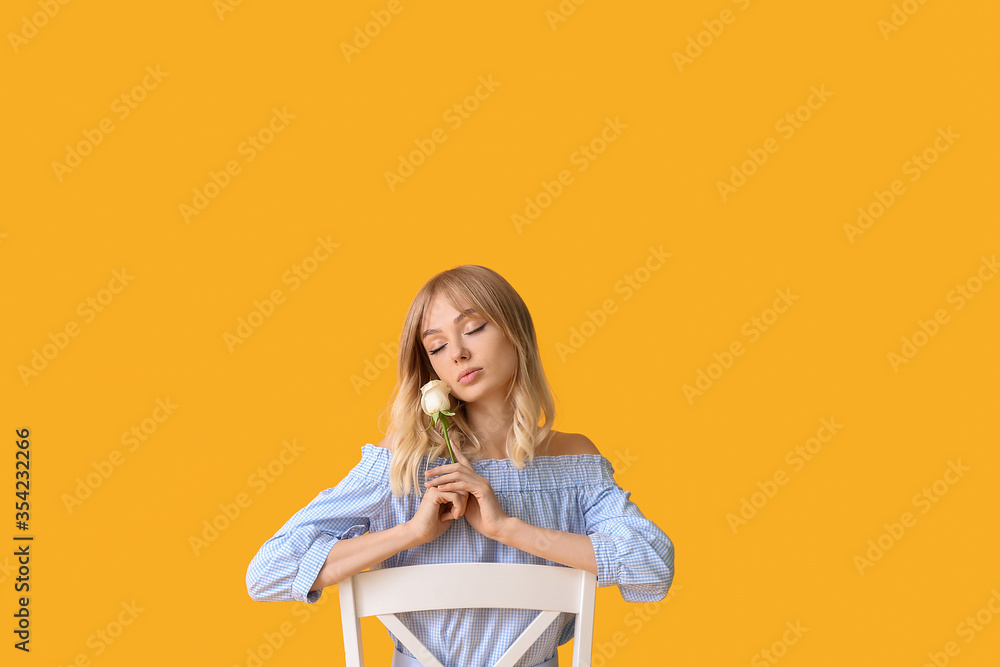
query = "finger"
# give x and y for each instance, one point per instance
(444, 507)
(445, 496)
(469, 480)
(440, 470)
(456, 485)
(458, 506)
(459, 456)
(442, 479)
(449, 502)
(435, 496)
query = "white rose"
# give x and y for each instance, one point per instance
(434, 397)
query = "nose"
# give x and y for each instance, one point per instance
(459, 352)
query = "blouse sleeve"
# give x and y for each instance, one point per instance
(286, 566)
(631, 550)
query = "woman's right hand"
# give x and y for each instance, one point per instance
(437, 510)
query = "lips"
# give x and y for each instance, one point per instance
(467, 373)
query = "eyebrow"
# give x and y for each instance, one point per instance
(470, 311)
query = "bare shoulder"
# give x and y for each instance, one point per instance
(386, 442)
(571, 444)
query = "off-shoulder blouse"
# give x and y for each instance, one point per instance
(573, 493)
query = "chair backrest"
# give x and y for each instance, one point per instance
(388, 591)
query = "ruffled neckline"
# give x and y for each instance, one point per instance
(544, 472)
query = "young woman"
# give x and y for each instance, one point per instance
(518, 493)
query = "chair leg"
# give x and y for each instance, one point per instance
(353, 649)
(583, 636)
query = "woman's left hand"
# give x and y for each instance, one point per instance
(482, 511)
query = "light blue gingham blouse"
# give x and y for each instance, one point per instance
(573, 493)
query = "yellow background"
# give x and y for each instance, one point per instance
(689, 463)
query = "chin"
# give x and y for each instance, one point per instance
(470, 393)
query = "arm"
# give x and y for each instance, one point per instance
(434, 515)
(286, 566)
(328, 540)
(486, 517)
(632, 551)
(554, 545)
(348, 557)
(625, 548)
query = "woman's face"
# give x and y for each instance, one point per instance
(459, 342)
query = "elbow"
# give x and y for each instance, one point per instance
(654, 589)
(254, 585)
(652, 581)
(259, 587)
(666, 552)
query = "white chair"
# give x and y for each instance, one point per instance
(388, 591)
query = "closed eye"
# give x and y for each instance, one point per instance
(471, 332)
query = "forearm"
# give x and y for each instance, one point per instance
(348, 557)
(554, 545)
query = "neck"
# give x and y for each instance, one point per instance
(491, 422)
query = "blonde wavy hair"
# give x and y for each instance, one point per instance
(496, 301)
